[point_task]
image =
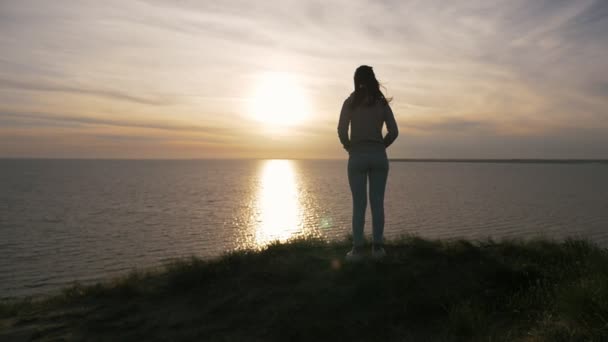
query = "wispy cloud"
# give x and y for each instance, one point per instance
(107, 93)
(520, 71)
(71, 120)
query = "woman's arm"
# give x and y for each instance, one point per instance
(391, 127)
(343, 123)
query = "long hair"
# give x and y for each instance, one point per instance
(367, 88)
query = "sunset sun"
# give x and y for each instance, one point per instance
(279, 100)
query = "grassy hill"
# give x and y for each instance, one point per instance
(425, 290)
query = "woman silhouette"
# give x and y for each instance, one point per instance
(366, 110)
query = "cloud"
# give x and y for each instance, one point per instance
(479, 68)
(600, 89)
(71, 120)
(111, 94)
(450, 125)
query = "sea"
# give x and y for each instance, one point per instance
(66, 221)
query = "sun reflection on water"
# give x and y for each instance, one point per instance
(279, 210)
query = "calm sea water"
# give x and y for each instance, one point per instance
(68, 220)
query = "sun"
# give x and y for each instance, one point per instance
(279, 100)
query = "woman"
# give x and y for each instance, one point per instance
(366, 110)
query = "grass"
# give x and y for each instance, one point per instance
(425, 290)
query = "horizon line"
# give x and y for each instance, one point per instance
(398, 160)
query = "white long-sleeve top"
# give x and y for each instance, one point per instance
(366, 126)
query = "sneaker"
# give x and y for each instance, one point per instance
(354, 255)
(378, 253)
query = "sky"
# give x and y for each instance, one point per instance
(188, 79)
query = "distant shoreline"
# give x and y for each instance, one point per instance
(502, 161)
(398, 160)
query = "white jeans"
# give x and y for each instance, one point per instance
(361, 166)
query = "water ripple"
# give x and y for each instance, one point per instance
(86, 220)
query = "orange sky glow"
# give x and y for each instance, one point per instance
(266, 79)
